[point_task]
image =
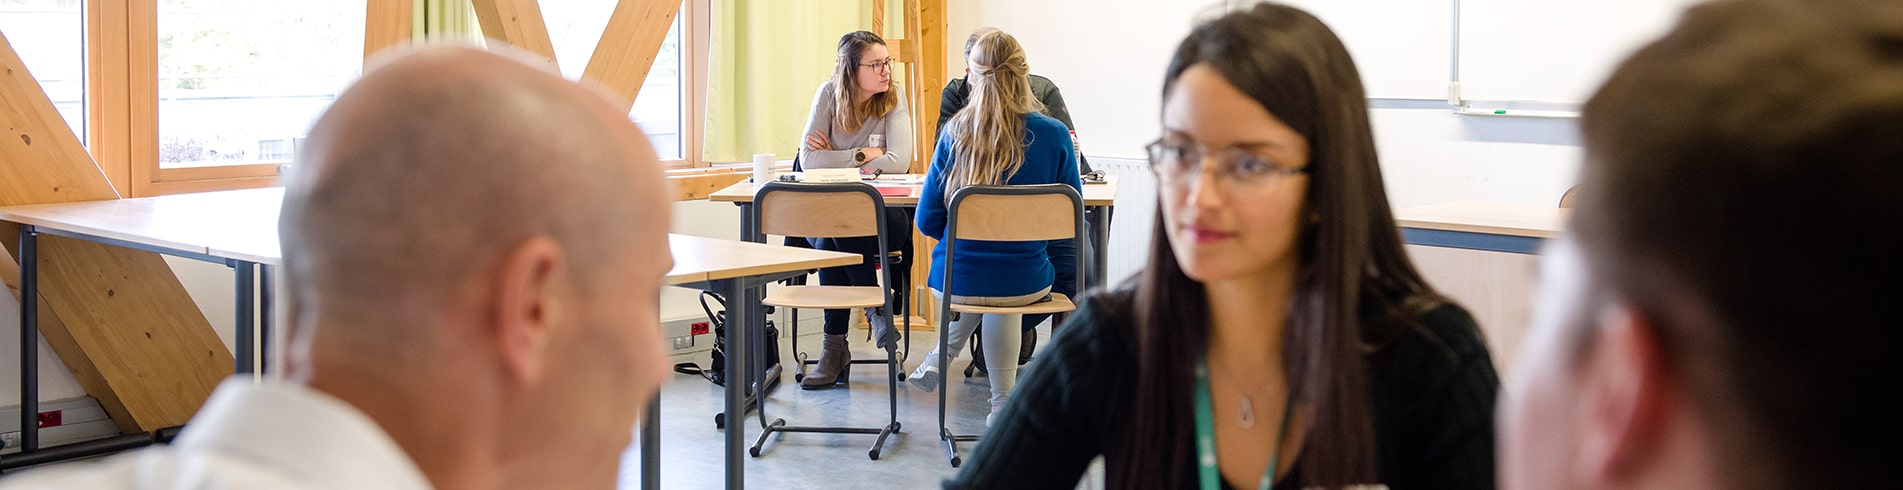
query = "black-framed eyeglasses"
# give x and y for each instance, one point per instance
(1241, 170)
(885, 63)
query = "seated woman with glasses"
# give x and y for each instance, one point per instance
(857, 121)
(998, 139)
(1279, 335)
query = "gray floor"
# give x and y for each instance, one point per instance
(691, 446)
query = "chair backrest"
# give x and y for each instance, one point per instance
(836, 210)
(1013, 213)
(1016, 213)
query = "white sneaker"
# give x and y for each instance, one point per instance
(926, 377)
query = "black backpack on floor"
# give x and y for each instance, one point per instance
(716, 370)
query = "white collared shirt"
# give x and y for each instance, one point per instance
(253, 435)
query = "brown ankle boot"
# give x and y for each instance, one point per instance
(834, 361)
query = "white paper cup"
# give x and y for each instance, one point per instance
(762, 168)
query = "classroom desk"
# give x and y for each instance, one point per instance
(239, 228)
(739, 271)
(1481, 256)
(1099, 198)
(1510, 228)
(205, 227)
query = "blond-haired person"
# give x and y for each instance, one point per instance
(999, 138)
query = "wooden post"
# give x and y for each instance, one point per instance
(629, 45)
(925, 25)
(878, 17)
(387, 24)
(118, 317)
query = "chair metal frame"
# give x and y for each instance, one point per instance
(760, 208)
(945, 313)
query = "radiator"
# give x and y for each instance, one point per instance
(1130, 225)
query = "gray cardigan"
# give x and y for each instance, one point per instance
(895, 128)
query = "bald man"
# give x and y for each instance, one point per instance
(474, 250)
(1723, 314)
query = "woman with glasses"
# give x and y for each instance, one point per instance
(857, 121)
(1279, 336)
(999, 138)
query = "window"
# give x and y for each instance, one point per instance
(575, 27)
(50, 37)
(240, 81)
(176, 96)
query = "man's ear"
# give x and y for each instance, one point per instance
(526, 302)
(1628, 394)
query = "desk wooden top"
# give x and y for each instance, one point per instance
(699, 259)
(243, 225)
(1488, 218)
(1104, 194)
(196, 223)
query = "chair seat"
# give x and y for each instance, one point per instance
(1059, 303)
(826, 297)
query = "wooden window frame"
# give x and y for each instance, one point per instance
(123, 133)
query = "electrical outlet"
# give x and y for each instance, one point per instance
(699, 328)
(10, 439)
(683, 343)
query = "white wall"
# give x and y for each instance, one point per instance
(1109, 58)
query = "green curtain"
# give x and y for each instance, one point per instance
(444, 20)
(766, 60)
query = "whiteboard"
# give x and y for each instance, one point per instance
(1402, 47)
(1553, 50)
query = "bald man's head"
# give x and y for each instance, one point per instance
(469, 239)
(432, 165)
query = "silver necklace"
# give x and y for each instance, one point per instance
(1245, 411)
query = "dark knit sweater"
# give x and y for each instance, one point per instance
(1433, 390)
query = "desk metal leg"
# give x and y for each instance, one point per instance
(1100, 253)
(267, 316)
(651, 445)
(738, 348)
(29, 340)
(246, 296)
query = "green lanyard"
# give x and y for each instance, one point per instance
(1206, 435)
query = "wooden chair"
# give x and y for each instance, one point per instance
(841, 210)
(1021, 213)
(901, 280)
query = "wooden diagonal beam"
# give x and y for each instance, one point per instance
(36, 134)
(629, 45)
(118, 318)
(387, 24)
(517, 22)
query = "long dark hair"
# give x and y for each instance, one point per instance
(1355, 288)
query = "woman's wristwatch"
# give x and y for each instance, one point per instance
(859, 157)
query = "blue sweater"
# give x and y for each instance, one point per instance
(1004, 268)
